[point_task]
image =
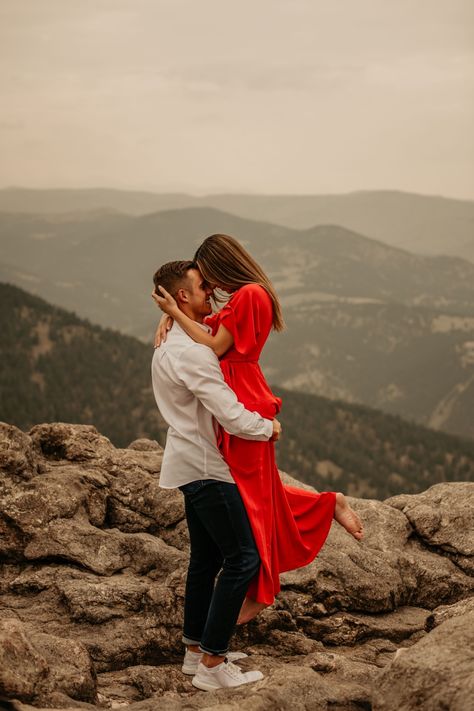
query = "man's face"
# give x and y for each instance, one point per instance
(198, 295)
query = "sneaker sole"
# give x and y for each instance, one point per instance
(205, 687)
(190, 671)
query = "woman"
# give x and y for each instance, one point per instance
(290, 525)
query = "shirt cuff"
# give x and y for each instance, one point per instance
(268, 428)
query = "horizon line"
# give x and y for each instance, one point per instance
(236, 193)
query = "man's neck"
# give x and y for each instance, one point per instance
(192, 316)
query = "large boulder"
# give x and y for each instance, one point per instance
(102, 551)
(40, 668)
(435, 674)
(18, 457)
(442, 519)
(75, 443)
(389, 568)
(445, 612)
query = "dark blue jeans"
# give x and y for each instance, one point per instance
(221, 540)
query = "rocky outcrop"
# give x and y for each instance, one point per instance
(442, 519)
(92, 569)
(436, 673)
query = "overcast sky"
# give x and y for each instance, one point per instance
(268, 96)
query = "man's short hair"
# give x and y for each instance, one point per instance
(172, 276)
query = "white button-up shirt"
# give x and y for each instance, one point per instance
(190, 392)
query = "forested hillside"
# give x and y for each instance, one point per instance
(336, 446)
(57, 367)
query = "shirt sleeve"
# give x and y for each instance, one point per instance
(199, 370)
(242, 316)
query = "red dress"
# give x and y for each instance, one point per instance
(289, 525)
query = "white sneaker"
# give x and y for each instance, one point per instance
(223, 676)
(192, 659)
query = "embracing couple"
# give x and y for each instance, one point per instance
(245, 526)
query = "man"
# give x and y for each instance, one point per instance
(191, 394)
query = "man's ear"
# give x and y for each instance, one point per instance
(182, 296)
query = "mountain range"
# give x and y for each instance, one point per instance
(57, 367)
(424, 224)
(367, 322)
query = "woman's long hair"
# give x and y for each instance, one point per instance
(223, 260)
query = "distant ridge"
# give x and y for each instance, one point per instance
(57, 200)
(426, 224)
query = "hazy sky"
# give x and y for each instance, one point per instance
(293, 96)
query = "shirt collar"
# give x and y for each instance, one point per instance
(204, 327)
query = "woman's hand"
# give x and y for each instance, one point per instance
(166, 302)
(162, 331)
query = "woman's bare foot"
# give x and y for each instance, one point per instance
(347, 517)
(250, 609)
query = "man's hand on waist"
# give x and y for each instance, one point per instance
(276, 431)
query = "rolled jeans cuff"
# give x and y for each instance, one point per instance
(188, 640)
(215, 652)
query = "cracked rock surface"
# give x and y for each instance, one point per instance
(93, 559)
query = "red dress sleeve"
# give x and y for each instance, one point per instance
(213, 322)
(245, 315)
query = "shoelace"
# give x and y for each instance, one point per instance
(233, 669)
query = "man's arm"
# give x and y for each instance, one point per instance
(199, 370)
